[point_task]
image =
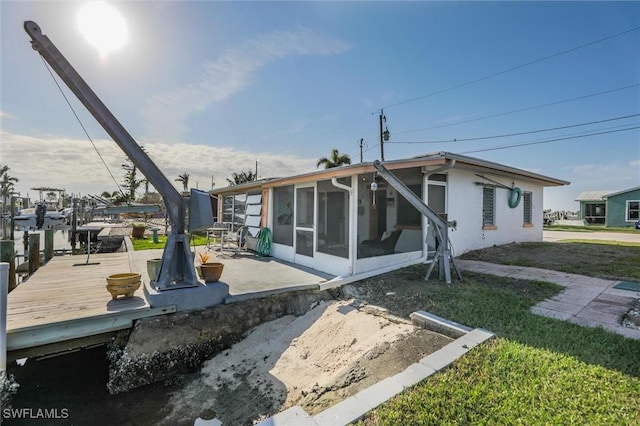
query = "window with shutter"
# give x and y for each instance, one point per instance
(488, 206)
(527, 210)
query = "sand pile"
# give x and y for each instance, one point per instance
(313, 360)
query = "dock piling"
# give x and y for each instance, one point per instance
(8, 255)
(48, 245)
(34, 253)
(4, 290)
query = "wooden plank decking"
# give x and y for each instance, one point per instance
(66, 300)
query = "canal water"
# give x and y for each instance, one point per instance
(60, 240)
(72, 389)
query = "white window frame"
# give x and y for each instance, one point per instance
(628, 210)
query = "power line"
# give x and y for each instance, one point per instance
(550, 140)
(512, 68)
(519, 133)
(520, 110)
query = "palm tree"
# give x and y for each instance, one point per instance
(7, 185)
(336, 160)
(130, 179)
(184, 178)
(242, 177)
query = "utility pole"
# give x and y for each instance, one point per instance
(382, 117)
(384, 135)
(256, 177)
(361, 146)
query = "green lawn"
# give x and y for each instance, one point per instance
(592, 228)
(508, 383)
(596, 258)
(538, 371)
(148, 244)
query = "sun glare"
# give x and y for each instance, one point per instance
(102, 26)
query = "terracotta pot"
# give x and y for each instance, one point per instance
(137, 232)
(211, 272)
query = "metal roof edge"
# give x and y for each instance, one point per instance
(435, 158)
(613, 194)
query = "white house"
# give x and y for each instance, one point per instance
(333, 221)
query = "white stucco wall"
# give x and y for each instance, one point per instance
(464, 205)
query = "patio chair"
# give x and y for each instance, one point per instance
(380, 246)
(218, 233)
(239, 238)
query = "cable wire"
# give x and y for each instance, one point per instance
(549, 140)
(81, 125)
(520, 110)
(516, 134)
(495, 74)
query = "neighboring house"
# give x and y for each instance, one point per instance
(610, 208)
(333, 221)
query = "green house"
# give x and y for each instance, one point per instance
(610, 208)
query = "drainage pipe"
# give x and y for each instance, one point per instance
(337, 184)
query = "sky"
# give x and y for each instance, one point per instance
(209, 88)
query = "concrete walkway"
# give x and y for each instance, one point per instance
(587, 301)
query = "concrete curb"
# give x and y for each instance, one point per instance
(355, 407)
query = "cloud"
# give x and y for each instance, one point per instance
(166, 113)
(75, 166)
(5, 115)
(634, 163)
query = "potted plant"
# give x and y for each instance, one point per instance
(138, 230)
(210, 272)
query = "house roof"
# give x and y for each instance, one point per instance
(592, 195)
(602, 195)
(624, 191)
(242, 187)
(433, 160)
(477, 164)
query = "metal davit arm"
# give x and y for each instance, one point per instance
(173, 200)
(443, 254)
(177, 264)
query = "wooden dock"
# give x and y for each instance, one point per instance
(65, 305)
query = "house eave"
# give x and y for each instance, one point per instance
(428, 160)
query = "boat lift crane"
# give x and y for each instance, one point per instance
(177, 269)
(443, 253)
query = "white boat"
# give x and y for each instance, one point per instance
(27, 219)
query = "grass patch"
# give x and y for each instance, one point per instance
(148, 244)
(502, 305)
(505, 382)
(600, 259)
(592, 228)
(539, 371)
(604, 242)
